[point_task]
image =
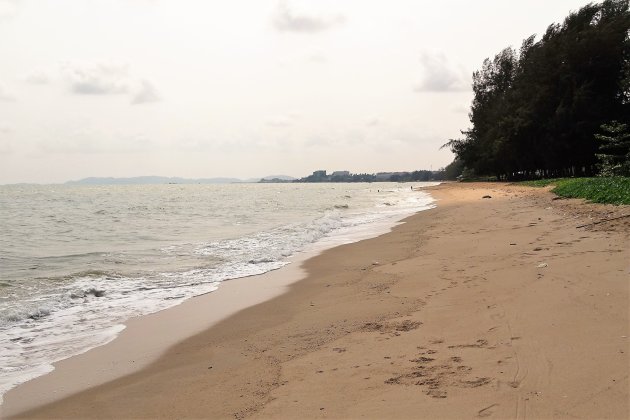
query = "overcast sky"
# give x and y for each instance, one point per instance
(243, 88)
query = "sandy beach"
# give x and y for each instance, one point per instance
(513, 306)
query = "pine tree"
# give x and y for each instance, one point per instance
(614, 150)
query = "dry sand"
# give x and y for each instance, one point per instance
(501, 307)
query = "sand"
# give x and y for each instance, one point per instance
(500, 307)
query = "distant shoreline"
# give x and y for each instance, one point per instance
(415, 176)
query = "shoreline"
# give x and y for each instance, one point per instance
(161, 330)
(479, 307)
(125, 354)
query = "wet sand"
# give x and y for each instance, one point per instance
(497, 307)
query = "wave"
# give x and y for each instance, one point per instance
(69, 313)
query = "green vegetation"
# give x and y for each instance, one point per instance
(614, 151)
(443, 174)
(613, 190)
(453, 170)
(537, 110)
(542, 182)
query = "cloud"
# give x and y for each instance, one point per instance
(108, 78)
(8, 9)
(37, 77)
(97, 78)
(286, 20)
(373, 122)
(280, 121)
(5, 95)
(146, 93)
(439, 75)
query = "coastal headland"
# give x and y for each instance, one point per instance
(511, 306)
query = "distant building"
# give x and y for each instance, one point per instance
(341, 173)
(319, 174)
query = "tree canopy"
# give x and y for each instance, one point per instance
(536, 111)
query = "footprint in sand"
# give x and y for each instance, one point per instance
(481, 343)
(391, 328)
(487, 411)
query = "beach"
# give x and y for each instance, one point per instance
(511, 306)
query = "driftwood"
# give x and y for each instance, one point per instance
(603, 221)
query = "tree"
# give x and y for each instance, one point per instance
(453, 170)
(536, 111)
(614, 156)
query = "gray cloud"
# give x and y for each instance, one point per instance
(439, 75)
(286, 20)
(97, 78)
(106, 78)
(146, 93)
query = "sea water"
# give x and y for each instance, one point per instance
(77, 261)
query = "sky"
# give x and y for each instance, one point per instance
(244, 89)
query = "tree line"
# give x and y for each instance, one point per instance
(419, 176)
(539, 111)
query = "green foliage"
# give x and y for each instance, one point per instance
(614, 156)
(614, 190)
(610, 190)
(536, 110)
(453, 170)
(541, 182)
(468, 174)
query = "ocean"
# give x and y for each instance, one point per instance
(77, 261)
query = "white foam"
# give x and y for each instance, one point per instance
(90, 310)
